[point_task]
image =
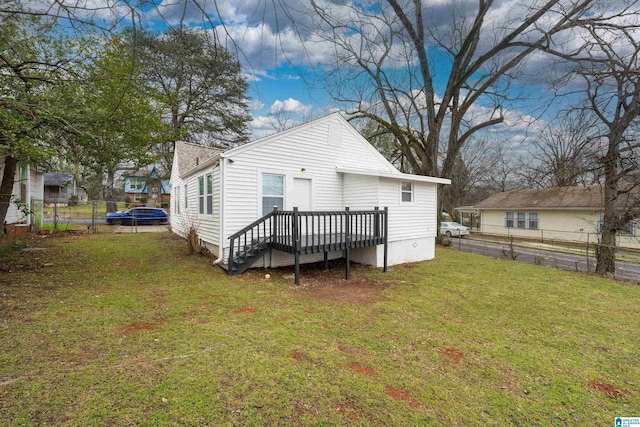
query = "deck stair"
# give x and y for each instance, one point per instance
(305, 232)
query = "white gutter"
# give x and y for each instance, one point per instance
(221, 245)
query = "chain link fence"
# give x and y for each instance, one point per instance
(87, 218)
(564, 254)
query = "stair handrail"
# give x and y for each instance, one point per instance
(253, 224)
(244, 230)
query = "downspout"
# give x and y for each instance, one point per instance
(221, 244)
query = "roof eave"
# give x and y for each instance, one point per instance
(394, 175)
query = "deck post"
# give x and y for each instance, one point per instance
(231, 256)
(386, 235)
(376, 224)
(326, 261)
(296, 245)
(274, 228)
(347, 241)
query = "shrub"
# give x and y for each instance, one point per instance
(443, 240)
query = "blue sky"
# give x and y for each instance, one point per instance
(285, 56)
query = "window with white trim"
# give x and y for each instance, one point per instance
(532, 221)
(524, 220)
(186, 205)
(137, 197)
(508, 219)
(272, 192)
(136, 184)
(201, 195)
(209, 194)
(177, 200)
(406, 190)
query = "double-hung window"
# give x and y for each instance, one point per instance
(533, 221)
(209, 194)
(406, 188)
(526, 220)
(177, 200)
(509, 219)
(186, 205)
(201, 195)
(272, 192)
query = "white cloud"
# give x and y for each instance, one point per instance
(289, 106)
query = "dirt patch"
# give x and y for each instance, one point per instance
(607, 389)
(355, 291)
(248, 310)
(453, 354)
(397, 394)
(300, 356)
(361, 369)
(136, 327)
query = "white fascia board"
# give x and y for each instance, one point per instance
(395, 175)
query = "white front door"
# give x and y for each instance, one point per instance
(301, 194)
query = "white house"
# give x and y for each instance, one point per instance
(321, 166)
(28, 187)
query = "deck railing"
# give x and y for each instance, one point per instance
(303, 232)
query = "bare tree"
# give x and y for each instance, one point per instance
(607, 65)
(566, 154)
(387, 56)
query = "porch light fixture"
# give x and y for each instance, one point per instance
(302, 171)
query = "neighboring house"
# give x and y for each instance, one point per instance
(320, 167)
(27, 188)
(566, 213)
(60, 187)
(149, 187)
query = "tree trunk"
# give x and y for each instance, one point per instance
(6, 188)
(110, 193)
(606, 255)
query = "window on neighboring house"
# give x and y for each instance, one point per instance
(628, 230)
(186, 205)
(177, 200)
(209, 194)
(201, 195)
(407, 191)
(136, 184)
(137, 197)
(526, 220)
(508, 219)
(272, 192)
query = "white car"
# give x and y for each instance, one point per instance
(454, 229)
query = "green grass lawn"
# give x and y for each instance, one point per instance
(119, 329)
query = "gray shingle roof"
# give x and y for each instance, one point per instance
(192, 155)
(590, 197)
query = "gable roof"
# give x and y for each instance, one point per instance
(191, 156)
(590, 197)
(330, 117)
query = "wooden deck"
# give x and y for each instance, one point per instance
(317, 243)
(300, 233)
